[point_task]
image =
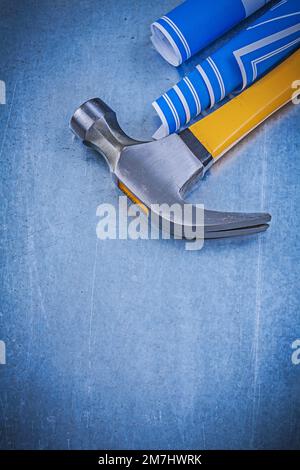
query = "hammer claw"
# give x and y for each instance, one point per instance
(237, 232)
(228, 221)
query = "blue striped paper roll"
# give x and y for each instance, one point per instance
(234, 66)
(196, 23)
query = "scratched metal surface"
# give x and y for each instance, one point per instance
(134, 344)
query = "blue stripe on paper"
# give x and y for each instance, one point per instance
(178, 106)
(166, 110)
(190, 100)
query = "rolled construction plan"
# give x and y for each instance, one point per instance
(233, 67)
(196, 23)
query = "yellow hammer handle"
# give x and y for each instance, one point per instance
(222, 129)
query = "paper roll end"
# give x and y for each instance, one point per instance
(163, 130)
(165, 45)
(160, 133)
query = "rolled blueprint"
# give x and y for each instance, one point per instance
(196, 23)
(233, 67)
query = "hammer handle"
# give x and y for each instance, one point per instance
(222, 129)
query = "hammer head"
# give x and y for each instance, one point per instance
(158, 174)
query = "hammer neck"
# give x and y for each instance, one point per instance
(108, 141)
(96, 124)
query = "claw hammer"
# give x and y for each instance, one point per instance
(161, 172)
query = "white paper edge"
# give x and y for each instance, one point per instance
(165, 44)
(163, 130)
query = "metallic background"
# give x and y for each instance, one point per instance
(134, 344)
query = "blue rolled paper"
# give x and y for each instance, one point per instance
(233, 67)
(196, 23)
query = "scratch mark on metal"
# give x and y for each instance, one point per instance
(8, 119)
(92, 302)
(256, 386)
